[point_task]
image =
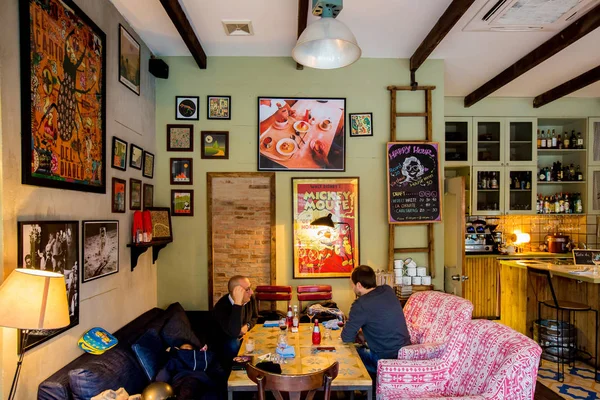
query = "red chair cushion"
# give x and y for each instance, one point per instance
(273, 289)
(313, 288)
(314, 296)
(273, 296)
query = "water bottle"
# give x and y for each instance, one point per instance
(316, 335)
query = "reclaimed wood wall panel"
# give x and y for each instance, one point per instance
(482, 286)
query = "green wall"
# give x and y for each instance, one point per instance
(182, 266)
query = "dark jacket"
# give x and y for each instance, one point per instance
(381, 318)
(232, 317)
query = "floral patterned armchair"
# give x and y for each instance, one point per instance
(431, 317)
(482, 360)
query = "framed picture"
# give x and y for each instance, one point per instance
(180, 137)
(361, 124)
(119, 191)
(129, 61)
(301, 134)
(148, 164)
(161, 223)
(119, 154)
(215, 145)
(182, 203)
(186, 107)
(324, 251)
(135, 194)
(51, 246)
(148, 195)
(61, 147)
(136, 156)
(182, 171)
(219, 107)
(100, 249)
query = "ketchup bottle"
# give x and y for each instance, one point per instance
(316, 335)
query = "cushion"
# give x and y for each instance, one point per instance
(178, 330)
(149, 349)
(111, 370)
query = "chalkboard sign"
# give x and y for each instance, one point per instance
(413, 183)
(586, 257)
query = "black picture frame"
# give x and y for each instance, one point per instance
(42, 140)
(187, 108)
(148, 171)
(118, 199)
(208, 140)
(188, 209)
(134, 85)
(358, 121)
(115, 156)
(135, 186)
(182, 171)
(214, 107)
(318, 122)
(40, 247)
(136, 156)
(147, 195)
(103, 236)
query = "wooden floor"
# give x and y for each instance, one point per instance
(543, 393)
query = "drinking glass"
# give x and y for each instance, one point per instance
(311, 314)
(281, 345)
(249, 345)
(341, 321)
(283, 324)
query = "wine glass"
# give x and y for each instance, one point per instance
(311, 314)
(596, 261)
(283, 325)
(282, 345)
(340, 321)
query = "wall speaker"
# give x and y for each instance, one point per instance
(158, 68)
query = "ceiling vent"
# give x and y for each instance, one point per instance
(528, 15)
(238, 28)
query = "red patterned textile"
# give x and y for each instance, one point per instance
(482, 360)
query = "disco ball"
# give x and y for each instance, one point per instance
(158, 391)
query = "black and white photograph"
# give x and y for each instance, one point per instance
(52, 246)
(100, 249)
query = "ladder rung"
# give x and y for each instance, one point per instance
(411, 88)
(423, 114)
(412, 250)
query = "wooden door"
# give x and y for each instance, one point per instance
(454, 234)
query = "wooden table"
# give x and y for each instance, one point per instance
(352, 373)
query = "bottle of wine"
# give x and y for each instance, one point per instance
(579, 141)
(539, 139)
(566, 141)
(554, 142)
(543, 144)
(579, 174)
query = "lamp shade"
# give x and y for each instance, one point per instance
(326, 44)
(324, 221)
(33, 299)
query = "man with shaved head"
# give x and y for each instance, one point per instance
(236, 313)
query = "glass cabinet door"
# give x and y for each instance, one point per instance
(594, 141)
(594, 191)
(522, 142)
(488, 148)
(488, 191)
(521, 191)
(458, 141)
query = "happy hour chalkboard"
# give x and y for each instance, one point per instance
(413, 183)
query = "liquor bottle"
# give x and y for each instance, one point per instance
(556, 205)
(290, 318)
(572, 173)
(579, 141)
(559, 171)
(579, 174)
(546, 205)
(516, 184)
(578, 207)
(484, 181)
(543, 145)
(573, 140)
(539, 139)
(561, 204)
(542, 176)
(493, 182)
(567, 204)
(548, 174)
(559, 142)
(316, 334)
(554, 142)
(295, 320)
(566, 141)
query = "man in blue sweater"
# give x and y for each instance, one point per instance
(378, 313)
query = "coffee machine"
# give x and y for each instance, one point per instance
(482, 237)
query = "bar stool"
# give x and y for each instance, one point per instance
(561, 306)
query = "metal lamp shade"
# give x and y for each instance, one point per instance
(324, 221)
(326, 44)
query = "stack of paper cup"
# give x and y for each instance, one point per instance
(426, 280)
(421, 271)
(417, 280)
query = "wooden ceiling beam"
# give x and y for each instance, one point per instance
(302, 22)
(568, 87)
(183, 26)
(558, 42)
(450, 17)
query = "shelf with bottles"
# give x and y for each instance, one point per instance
(560, 173)
(553, 131)
(561, 203)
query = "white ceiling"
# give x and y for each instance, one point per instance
(383, 28)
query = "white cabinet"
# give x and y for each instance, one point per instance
(458, 141)
(522, 142)
(504, 141)
(488, 142)
(521, 189)
(487, 188)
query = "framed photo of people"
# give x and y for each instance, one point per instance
(326, 227)
(63, 101)
(301, 134)
(51, 246)
(100, 249)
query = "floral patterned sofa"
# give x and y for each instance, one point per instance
(431, 317)
(483, 360)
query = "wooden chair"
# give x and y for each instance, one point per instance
(293, 384)
(313, 293)
(273, 294)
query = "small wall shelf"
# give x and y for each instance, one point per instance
(138, 249)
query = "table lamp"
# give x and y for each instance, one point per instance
(328, 222)
(32, 299)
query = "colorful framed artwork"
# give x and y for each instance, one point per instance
(51, 246)
(119, 191)
(62, 145)
(180, 137)
(322, 251)
(186, 107)
(215, 145)
(182, 171)
(161, 223)
(119, 154)
(148, 171)
(100, 249)
(219, 107)
(135, 194)
(182, 203)
(129, 61)
(361, 124)
(136, 156)
(301, 134)
(148, 195)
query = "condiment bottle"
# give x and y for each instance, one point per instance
(316, 335)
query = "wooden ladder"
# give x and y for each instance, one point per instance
(392, 250)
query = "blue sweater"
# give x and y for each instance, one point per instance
(381, 318)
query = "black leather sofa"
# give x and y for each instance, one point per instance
(89, 375)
